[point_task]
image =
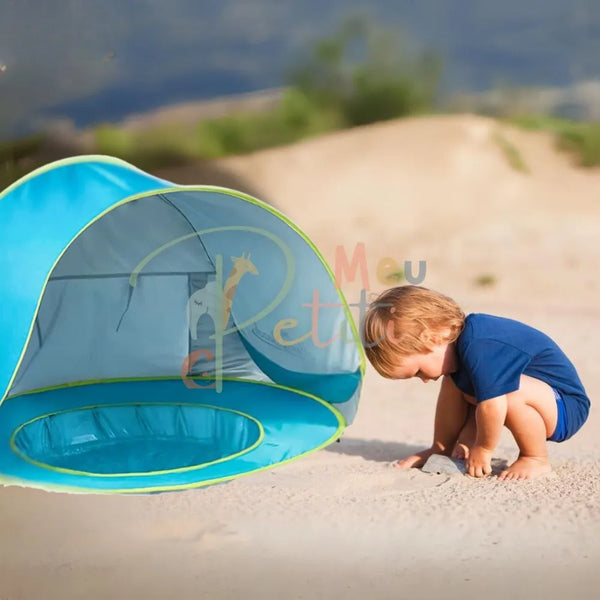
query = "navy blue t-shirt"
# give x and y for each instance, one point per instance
(493, 352)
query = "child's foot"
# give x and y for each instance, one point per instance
(416, 460)
(461, 451)
(526, 467)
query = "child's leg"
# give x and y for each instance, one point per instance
(531, 418)
(467, 435)
(450, 415)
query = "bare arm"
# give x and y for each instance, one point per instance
(450, 416)
(490, 416)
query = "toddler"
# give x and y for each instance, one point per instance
(495, 371)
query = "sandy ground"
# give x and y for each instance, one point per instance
(341, 523)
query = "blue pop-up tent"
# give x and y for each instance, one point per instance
(158, 337)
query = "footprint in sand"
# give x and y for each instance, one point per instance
(210, 536)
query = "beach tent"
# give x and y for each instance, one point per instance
(159, 337)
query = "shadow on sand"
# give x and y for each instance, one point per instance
(374, 450)
(388, 452)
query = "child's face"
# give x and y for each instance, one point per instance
(431, 365)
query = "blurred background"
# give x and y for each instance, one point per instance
(161, 83)
(462, 133)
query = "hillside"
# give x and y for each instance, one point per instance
(439, 189)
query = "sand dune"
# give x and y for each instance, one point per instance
(341, 523)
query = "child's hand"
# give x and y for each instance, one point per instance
(479, 463)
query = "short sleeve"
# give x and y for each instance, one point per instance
(494, 367)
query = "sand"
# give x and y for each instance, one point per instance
(341, 523)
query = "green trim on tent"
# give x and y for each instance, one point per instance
(48, 467)
(111, 160)
(174, 378)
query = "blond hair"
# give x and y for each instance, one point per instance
(408, 320)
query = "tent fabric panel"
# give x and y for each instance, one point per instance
(125, 316)
(336, 388)
(122, 239)
(89, 332)
(99, 329)
(281, 257)
(38, 218)
(235, 359)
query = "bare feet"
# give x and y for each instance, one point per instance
(461, 451)
(416, 460)
(526, 467)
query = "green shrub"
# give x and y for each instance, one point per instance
(396, 277)
(300, 116)
(512, 154)
(113, 141)
(485, 280)
(18, 157)
(296, 117)
(581, 139)
(147, 149)
(359, 75)
(366, 74)
(9, 173)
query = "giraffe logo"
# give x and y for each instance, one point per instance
(204, 301)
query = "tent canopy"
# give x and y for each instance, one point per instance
(181, 313)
